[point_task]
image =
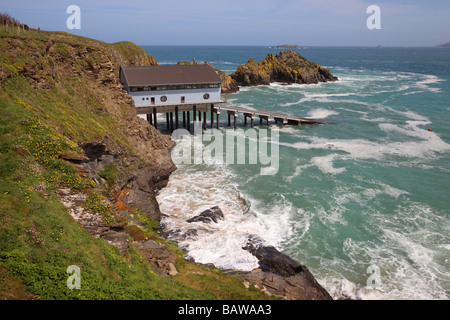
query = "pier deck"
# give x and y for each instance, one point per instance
(200, 111)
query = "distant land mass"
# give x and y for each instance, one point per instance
(443, 45)
(287, 46)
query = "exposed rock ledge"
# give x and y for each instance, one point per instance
(282, 276)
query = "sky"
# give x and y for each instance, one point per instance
(244, 22)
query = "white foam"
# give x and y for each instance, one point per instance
(325, 164)
(426, 144)
(321, 113)
(189, 192)
(429, 79)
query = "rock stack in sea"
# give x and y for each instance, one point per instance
(286, 67)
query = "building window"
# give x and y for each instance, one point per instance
(206, 96)
(163, 98)
(183, 99)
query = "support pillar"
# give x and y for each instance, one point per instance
(167, 121)
(188, 127)
(176, 117)
(155, 119)
(217, 119)
(149, 118)
(204, 120)
(184, 119)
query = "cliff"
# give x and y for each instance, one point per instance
(287, 66)
(79, 174)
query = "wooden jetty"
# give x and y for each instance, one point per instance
(200, 111)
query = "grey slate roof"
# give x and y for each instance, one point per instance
(168, 75)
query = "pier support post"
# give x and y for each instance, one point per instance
(195, 113)
(167, 121)
(171, 121)
(155, 121)
(176, 117)
(204, 120)
(212, 116)
(184, 119)
(188, 127)
(217, 119)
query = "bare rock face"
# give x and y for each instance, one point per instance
(287, 66)
(282, 276)
(158, 253)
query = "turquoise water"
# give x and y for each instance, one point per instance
(370, 188)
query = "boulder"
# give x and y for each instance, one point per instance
(210, 215)
(281, 275)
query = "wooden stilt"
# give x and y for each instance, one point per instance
(204, 120)
(188, 124)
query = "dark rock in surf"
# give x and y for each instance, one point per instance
(280, 275)
(210, 215)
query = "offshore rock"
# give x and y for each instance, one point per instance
(287, 67)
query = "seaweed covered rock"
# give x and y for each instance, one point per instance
(287, 66)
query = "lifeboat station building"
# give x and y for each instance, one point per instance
(176, 90)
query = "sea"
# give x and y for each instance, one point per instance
(362, 200)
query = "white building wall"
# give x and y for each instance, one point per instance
(192, 96)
